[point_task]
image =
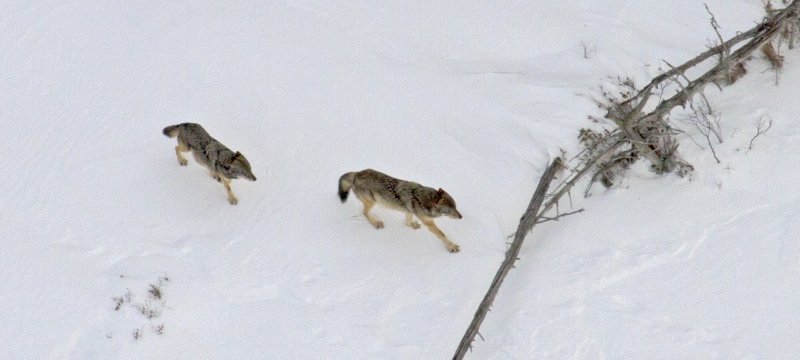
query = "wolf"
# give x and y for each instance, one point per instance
(374, 187)
(223, 164)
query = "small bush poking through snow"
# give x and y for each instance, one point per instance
(151, 308)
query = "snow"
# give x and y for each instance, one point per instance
(475, 98)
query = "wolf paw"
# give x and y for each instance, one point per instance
(233, 200)
(414, 225)
(378, 224)
(453, 248)
(183, 162)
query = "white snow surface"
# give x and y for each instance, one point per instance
(473, 97)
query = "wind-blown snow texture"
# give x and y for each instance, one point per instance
(471, 97)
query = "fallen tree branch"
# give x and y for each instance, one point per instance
(693, 62)
(761, 34)
(646, 132)
(565, 187)
(526, 223)
(545, 219)
(647, 128)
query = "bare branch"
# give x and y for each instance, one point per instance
(546, 219)
(725, 52)
(762, 126)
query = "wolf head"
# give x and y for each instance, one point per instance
(445, 205)
(238, 167)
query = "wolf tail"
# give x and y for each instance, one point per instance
(172, 130)
(345, 184)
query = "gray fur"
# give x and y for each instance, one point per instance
(373, 187)
(223, 164)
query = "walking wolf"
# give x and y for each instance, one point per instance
(223, 164)
(425, 203)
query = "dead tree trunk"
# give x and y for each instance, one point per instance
(635, 127)
(526, 223)
(643, 122)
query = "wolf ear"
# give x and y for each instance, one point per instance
(439, 193)
(237, 155)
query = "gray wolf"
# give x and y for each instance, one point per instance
(373, 187)
(222, 163)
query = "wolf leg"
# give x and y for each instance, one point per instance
(451, 246)
(231, 198)
(410, 221)
(178, 150)
(368, 204)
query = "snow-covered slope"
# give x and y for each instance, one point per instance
(474, 98)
